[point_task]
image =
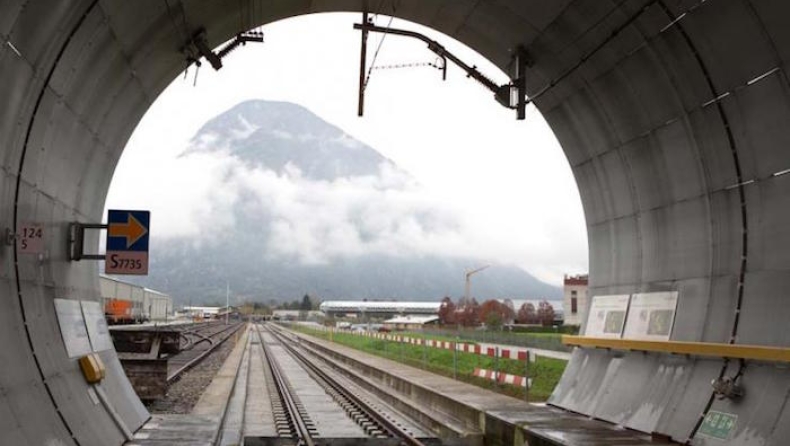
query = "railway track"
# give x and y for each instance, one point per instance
(155, 357)
(197, 342)
(308, 403)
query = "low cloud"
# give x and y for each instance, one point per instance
(200, 196)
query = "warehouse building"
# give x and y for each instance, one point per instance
(410, 323)
(340, 308)
(127, 303)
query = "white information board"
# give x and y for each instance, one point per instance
(651, 316)
(72, 327)
(98, 333)
(607, 316)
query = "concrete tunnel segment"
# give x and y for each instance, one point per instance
(673, 115)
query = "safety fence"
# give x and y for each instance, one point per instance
(503, 378)
(542, 340)
(493, 351)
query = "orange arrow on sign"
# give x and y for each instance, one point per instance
(132, 230)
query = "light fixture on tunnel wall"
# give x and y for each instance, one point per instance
(726, 387)
(512, 95)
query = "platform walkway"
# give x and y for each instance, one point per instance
(484, 417)
(201, 427)
(508, 420)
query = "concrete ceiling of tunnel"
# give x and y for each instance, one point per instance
(673, 116)
(494, 29)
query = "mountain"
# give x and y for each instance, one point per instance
(275, 135)
(202, 279)
(318, 213)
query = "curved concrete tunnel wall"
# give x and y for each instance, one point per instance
(673, 114)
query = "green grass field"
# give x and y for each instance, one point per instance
(545, 372)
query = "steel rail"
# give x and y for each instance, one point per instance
(193, 362)
(393, 429)
(286, 396)
(202, 337)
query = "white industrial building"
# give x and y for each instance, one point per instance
(203, 312)
(410, 322)
(378, 308)
(142, 304)
(293, 315)
(575, 298)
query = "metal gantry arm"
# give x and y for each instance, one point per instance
(512, 95)
(198, 46)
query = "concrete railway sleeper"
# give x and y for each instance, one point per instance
(298, 421)
(309, 406)
(374, 422)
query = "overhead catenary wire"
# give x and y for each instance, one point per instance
(381, 42)
(378, 48)
(432, 64)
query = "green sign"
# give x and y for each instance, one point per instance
(718, 425)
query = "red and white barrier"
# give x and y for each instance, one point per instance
(478, 349)
(503, 378)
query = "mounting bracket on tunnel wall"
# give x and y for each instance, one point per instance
(76, 246)
(198, 46)
(512, 95)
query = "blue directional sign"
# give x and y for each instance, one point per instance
(127, 242)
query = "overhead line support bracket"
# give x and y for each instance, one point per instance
(512, 95)
(198, 46)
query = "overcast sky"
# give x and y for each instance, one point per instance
(506, 181)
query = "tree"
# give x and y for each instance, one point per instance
(495, 313)
(447, 312)
(493, 320)
(247, 308)
(527, 314)
(306, 304)
(508, 315)
(488, 308)
(305, 307)
(261, 308)
(545, 313)
(470, 313)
